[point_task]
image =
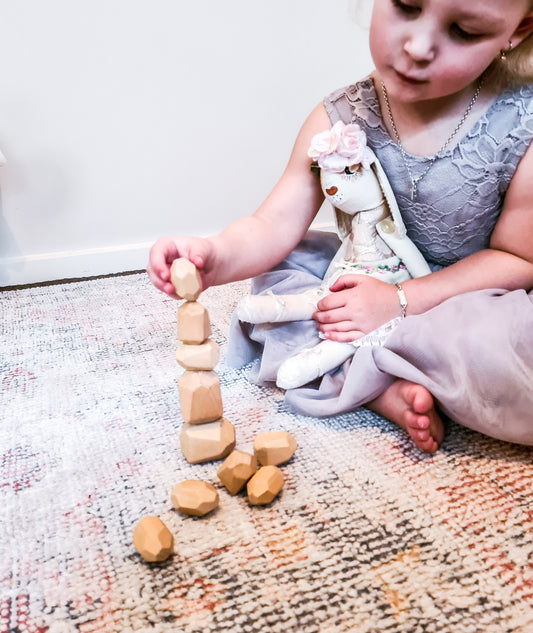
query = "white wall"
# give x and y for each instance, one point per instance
(124, 120)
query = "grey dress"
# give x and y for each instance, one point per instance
(473, 352)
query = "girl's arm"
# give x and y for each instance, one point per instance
(252, 245)
(358, 305)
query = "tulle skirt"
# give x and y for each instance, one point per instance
(473, 352)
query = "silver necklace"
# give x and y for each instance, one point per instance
(415, 181)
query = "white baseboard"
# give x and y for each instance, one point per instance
(15, 271)
(30, 269)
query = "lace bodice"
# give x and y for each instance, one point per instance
(461, 197)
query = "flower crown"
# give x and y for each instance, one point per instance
(340, 147)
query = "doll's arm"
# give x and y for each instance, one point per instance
(272, 308)
(404, 248)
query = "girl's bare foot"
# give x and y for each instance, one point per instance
(411, 407)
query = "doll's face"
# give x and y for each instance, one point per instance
(352, 192)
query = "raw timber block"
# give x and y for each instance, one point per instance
(194, 497)
(264, 485)
(186, 279)
(200, 397)
(193, 323)
(274, 448)
(207, 442)
(202, 357)
(152, 539)
(236, 470)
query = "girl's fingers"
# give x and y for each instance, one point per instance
(154, 277)
(161, 284)
(341, 326)
(344, 337)
(335, 315)
(331, 302)
(162, 254)
(344, 282)
(197, 258)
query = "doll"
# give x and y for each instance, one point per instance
(373, 242)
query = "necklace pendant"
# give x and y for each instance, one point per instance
(415, 181)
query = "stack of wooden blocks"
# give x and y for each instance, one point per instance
(205, 434)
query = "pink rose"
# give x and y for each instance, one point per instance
(352, 141)
(340, 147)
(333, 162)
(352, 146)
(325, 142)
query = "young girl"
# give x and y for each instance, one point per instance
(449, 114)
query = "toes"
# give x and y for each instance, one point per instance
(420, 399)
(423, 401)
(430, 446)
(416, 421)
(421, 432)
(420, 436)
(424, 441)
(427, 444)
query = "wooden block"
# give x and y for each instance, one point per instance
(236, 470)
(186, 279)
(193, 323)
(200, 397)
(202, 357)
(194, 497)
(152, 539)
(206, 442)
(274, 448)
(264, 485)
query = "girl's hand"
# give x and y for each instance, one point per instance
(199, 251)
(356, 306)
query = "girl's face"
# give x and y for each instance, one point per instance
(428, 49)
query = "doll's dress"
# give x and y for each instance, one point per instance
(473, 352)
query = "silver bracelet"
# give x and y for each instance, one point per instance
(402, 299)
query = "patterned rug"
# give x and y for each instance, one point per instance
(368, 534)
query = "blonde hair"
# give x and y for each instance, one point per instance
(516, 67)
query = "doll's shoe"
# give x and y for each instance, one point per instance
(298, 371)
(312, 363)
